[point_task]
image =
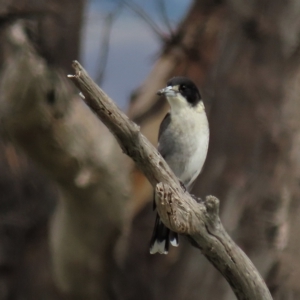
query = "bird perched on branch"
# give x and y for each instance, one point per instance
(183, 142)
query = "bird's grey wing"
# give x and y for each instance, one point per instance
(162, 150)
(162, 129)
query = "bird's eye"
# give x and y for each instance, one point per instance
(182, 87)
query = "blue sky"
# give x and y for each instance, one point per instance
(133, 44)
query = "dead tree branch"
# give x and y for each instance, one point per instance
(178, 210)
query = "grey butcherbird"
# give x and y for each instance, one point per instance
(183, 142)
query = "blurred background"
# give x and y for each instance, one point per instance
(75, 214)
(132, 44)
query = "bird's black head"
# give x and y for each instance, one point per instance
(186, 88)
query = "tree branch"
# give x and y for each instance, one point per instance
(178, 210)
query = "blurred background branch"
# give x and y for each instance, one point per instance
(139, 11)
(105, 42)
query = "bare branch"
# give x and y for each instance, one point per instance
(178, 210)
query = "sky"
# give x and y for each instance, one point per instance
(133, 45)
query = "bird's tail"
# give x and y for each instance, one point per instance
(161, 238)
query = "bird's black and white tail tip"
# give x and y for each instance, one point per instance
(162, 237)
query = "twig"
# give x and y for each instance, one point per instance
(145, 17)
(177, 209)
(105, 43)
(164, 15)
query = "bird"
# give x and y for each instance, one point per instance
(183, 142)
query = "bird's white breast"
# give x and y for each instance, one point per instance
(187, 137)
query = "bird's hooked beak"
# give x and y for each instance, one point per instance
(168, 91)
